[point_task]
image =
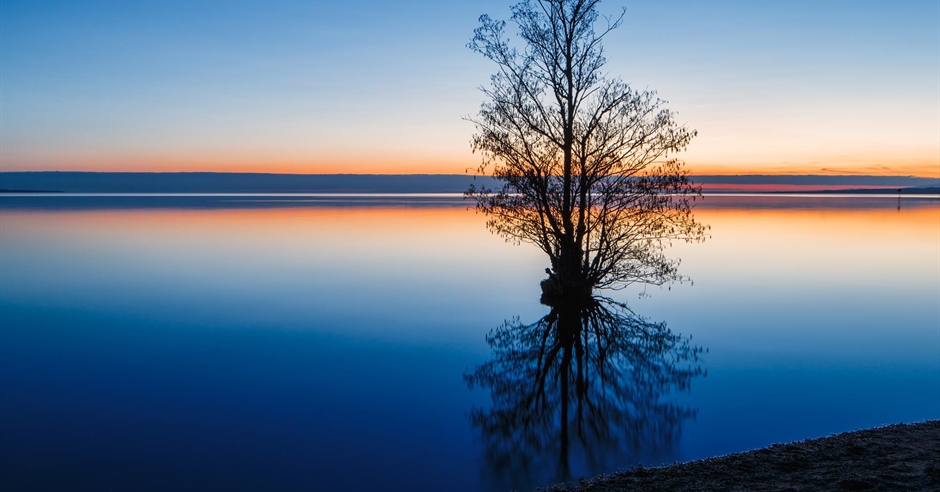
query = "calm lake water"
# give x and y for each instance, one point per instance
(320, 342)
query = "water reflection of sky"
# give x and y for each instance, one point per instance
(310, 345)
(819, 319)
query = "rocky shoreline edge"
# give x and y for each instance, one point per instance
(894, 457)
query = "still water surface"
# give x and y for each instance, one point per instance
(320, 342)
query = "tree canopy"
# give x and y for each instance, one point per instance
(586, 163)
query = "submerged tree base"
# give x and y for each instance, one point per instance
(896, 457)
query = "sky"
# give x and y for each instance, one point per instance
(369, 86)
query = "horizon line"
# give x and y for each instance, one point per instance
(709, 175)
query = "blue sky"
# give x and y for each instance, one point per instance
(369, 86)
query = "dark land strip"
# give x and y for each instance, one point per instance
(213, 182)
(896, 457)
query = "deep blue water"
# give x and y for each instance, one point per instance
(320, 343)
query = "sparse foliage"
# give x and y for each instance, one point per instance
(586, 162)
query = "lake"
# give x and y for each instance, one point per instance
(320, 342)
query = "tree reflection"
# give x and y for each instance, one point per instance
(582, 390)
(588, 174)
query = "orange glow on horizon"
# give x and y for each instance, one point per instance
(368, 219)
(285, 237)
(249, 164)
(822, 235)
(413, 164)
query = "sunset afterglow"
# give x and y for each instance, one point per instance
(450, 245)
(384, 87)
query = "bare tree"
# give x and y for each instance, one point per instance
(585, 161)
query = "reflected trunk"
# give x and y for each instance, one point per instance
(585, 389)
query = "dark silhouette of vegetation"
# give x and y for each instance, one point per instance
(586, 163)
(587, 386)
(586, 171)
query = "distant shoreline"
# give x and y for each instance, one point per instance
(859, 191)
(867, 192)
(895, 457)
(930, 190)
(30, 191)
(207, 182)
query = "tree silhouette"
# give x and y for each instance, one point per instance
(585, 162)
(592, 387)
(587, 173)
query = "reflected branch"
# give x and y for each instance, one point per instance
(587, 384)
